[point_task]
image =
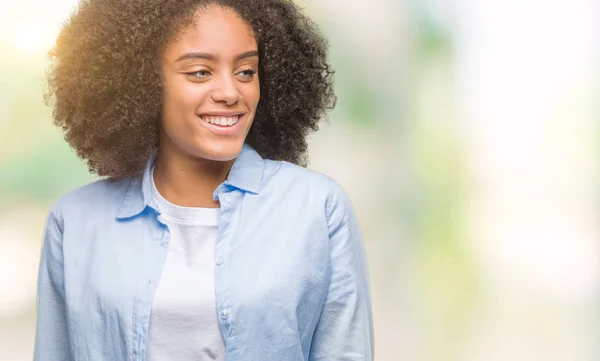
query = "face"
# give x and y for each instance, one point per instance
(210, 86)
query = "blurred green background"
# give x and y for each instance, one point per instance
(466, 134)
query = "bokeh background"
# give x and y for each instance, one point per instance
(467, 136)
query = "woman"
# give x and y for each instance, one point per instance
(207, 239)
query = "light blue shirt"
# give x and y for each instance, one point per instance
(291, 278)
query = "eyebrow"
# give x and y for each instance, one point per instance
(213, 57)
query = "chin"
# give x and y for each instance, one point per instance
(220, 152)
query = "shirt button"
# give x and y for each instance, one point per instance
(219, 261)
(225, 314)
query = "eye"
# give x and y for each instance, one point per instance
(200, 74)
(247, 74)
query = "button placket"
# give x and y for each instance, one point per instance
(228, 208)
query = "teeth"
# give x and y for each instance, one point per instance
(222, 121)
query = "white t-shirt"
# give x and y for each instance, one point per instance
(183, 323)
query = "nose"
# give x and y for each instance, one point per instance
(225, 91)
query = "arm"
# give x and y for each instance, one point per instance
(51, 339)
(345, 330)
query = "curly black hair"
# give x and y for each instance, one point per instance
(104, 78)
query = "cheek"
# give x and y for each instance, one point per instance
(257, 94)
(183, 96)
(252, 95)
(180, 101)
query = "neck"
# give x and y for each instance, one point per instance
(188, 181)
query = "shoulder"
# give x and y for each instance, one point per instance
(310, 183)
(99, 195)
(286, 173)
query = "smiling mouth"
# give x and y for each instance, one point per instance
(222, 121)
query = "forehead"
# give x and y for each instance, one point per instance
(216, 30)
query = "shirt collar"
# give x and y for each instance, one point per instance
(246, 174)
